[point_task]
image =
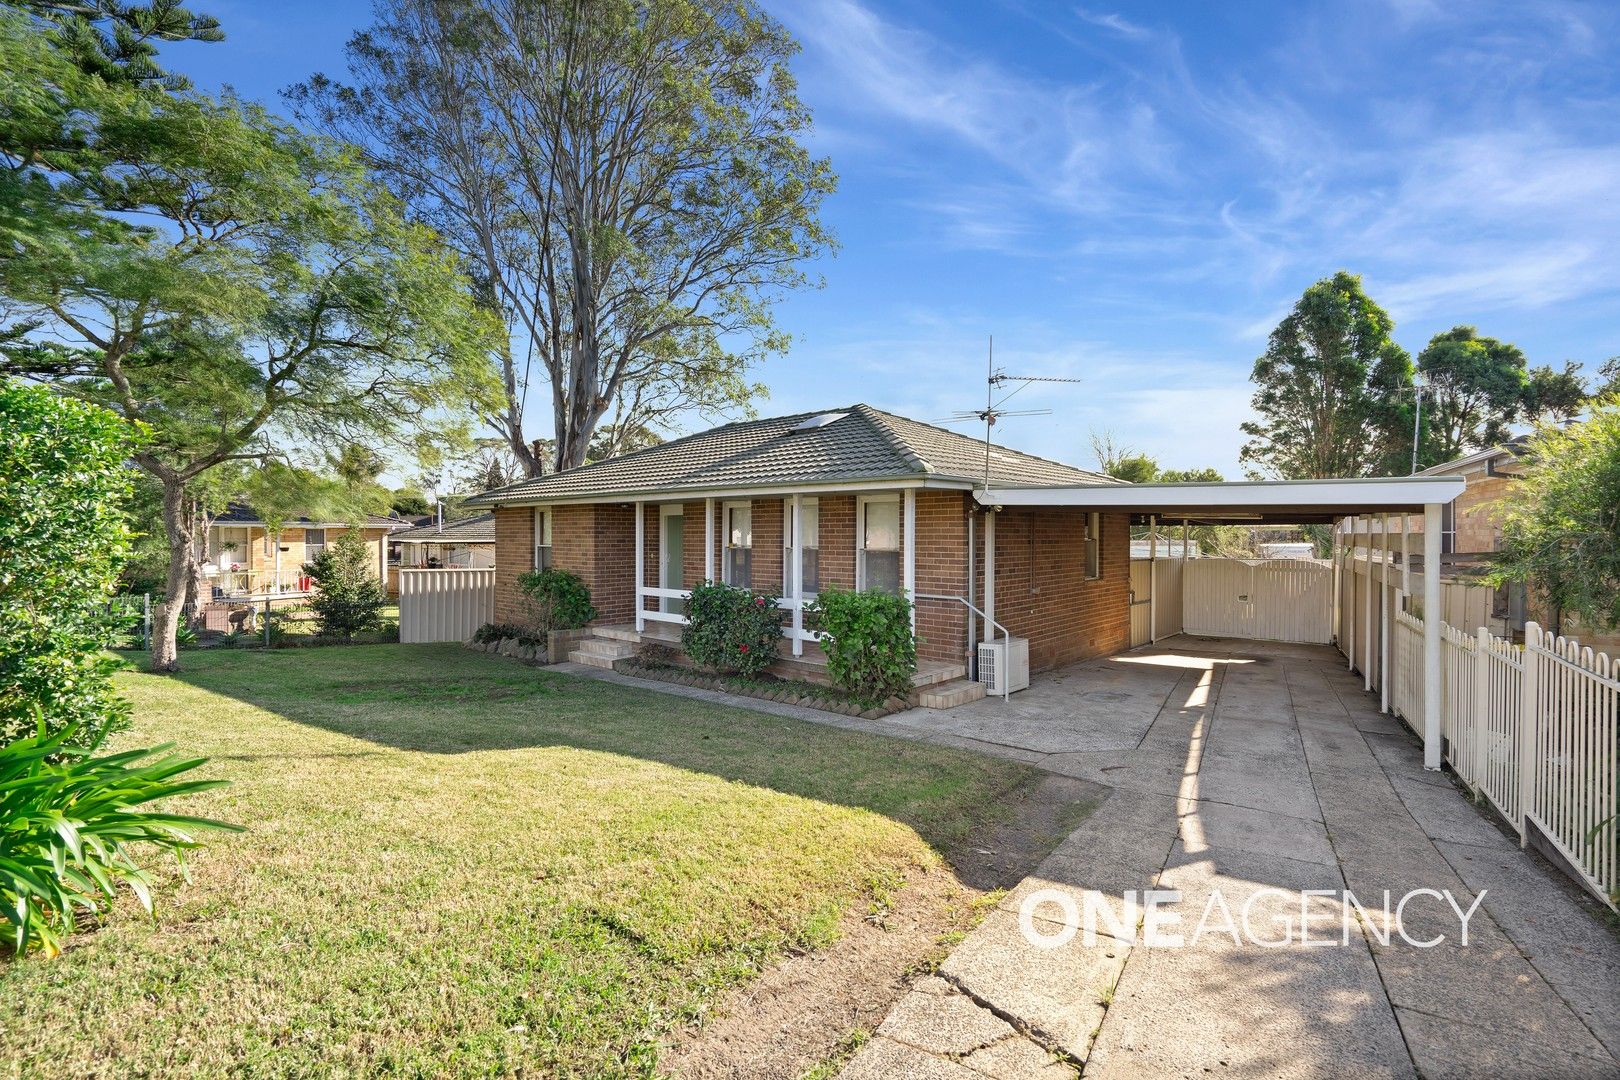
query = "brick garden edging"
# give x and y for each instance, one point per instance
(789, 694)
(511, 648)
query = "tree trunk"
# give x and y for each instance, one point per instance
(166, 619)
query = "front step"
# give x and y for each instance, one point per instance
(617, 633)
(601, 652)
(949, 695)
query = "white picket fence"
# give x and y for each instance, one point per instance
(444, 605)
(1535, 730)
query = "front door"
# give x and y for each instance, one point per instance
(671, 550)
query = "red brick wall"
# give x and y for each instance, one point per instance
(514, 555)
(769, 535)
(1041, 589)
(837, 557)
(942, 569)
(694, 543)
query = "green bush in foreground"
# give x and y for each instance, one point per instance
(556, 599)
(732, 630)
(871, 651)
(63, 483)
(69, 831)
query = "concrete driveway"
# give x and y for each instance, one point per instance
(1263, 773)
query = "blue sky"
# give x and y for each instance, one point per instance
(1133, 195)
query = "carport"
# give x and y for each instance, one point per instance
(1280, 502)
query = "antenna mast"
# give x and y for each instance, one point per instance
(993, 411)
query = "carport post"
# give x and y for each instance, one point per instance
(1153, 578)
(1406, 558)
(1366, 618)
(1338, 583)
(1383, 614)
(641, 565)
(1350, 591)
(1431, 636)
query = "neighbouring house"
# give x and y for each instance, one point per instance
(244, 558)
(1471, 533)
(468, 543)
(987, 541)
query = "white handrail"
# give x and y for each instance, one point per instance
(1006, 634)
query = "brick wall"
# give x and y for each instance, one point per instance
(1041, 589)
(769, 535)
(1474, 513)
(514, 555)
(942, 569)
(837, 556)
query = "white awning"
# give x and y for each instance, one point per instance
(1265, 500)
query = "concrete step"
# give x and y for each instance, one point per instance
(591, 660)
(617, 633)
(949, 695)
(607, 648)
(932, 672)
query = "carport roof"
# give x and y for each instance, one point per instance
(1245, 501)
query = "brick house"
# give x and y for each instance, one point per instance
(856, 498)
(243, 557)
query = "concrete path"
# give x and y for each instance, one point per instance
(1261, 772)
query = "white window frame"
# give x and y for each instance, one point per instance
(317, 548)
(1091, 547)
(542, 537)
(861, 503)
(813, 504)
(726, 545)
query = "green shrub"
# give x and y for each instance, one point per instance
(490, 633)
(871, 651)
(555, 600)
(348, 597)
(69, 830)
(732, 630)
(63, 540)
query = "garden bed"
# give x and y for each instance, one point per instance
(765, 687)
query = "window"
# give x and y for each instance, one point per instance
(1093, 546)
(810, 522)
(314, 543)
(738, 567)
(1448, 529)
(877, 544)
(542, 539)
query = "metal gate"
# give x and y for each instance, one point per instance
(1266, 599)
(444, 605)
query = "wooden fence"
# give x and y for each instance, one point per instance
(1533, 730)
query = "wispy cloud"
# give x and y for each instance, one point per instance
(1111, 21)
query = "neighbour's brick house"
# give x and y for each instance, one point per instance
(882, 502)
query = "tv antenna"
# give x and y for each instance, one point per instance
(994, 382)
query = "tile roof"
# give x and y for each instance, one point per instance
(474, 530)
(238, 513)
(861, 443)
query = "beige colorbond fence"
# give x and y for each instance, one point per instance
(444, 605)
(1267, 599)
(1535, 730)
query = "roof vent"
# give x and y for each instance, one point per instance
(820, 420)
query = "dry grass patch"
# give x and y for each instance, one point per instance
(460, 866)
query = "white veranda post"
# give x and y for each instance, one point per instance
(1431, 635)
(641, 565)
(708, 541)
(908, 541)
(796, 573)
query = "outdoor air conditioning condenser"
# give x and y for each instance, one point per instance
(1004, 665)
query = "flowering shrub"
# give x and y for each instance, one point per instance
(732, 630)
(867, 636)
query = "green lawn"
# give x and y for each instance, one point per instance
(459, 865)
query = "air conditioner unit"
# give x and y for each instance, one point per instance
(1004, 665)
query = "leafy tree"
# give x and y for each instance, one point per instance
(409, 503)
(1332, 390)
(626, 175)
(1556, 396)
(1609, 374)
(1191, 476)
(1561, 530)
(116, 42)
(348, 597)
(1474, 388)
(207, 270)
(63, 539)
(1122, 462)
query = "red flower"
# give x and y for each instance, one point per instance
(743, 648)
(759, 601)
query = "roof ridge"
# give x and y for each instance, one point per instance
(878, 419)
